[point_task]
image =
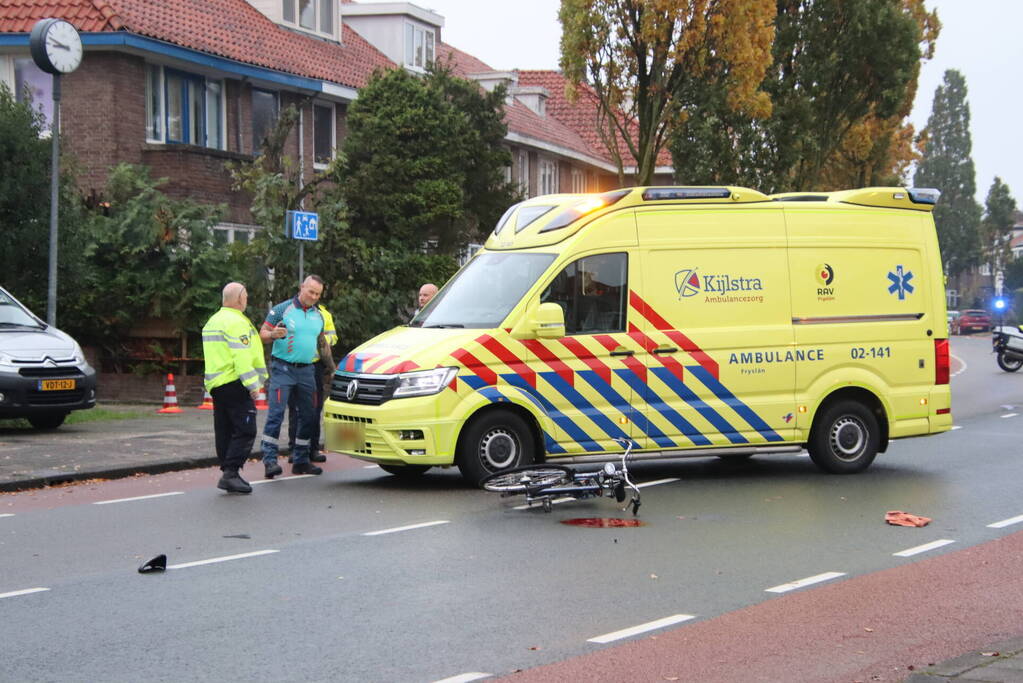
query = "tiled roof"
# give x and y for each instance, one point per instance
(226, 28)
(19, 16)
(462, 63)
(581, 115)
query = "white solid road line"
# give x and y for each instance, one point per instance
(808, 581)
(23, 592)
(406, 528)
(270, 481)
(642, 628)
(1006, 522)
(226, 558)
(923, 548)
(464, 678)
(955, 427)
(125, 500)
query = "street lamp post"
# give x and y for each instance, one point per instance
(56, 49)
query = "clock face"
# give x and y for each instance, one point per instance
(63, 47)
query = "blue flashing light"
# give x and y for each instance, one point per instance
(999, 304)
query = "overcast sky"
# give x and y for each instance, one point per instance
(980, 38)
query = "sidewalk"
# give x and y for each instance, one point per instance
(156, 443)
(1000, 662)
(108, 449)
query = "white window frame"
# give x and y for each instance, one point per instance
(233, 229)
(422, 39)
(547, 182)
(160, 136)
(319, 166)
(578, 180)
(296, 22)
(522, 157)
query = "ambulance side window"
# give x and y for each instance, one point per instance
(593, 293)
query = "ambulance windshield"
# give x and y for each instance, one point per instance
(484, 292)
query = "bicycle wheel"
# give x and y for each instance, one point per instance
(519, 479)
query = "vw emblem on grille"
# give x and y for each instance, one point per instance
(353, 389)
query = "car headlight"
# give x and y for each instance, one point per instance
(423, 382)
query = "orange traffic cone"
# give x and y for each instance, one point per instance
(207, 401)
(170, 397)
(261, 403)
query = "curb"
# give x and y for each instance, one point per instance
(56, 477)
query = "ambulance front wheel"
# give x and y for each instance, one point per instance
(845, 438)
(497, 440)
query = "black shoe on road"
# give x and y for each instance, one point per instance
(306, 468)
(271, 470)
(232, 482)
(317, 457)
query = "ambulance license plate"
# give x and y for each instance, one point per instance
(56, 384)
(351, 436)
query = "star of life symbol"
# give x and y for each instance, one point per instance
(900, 282)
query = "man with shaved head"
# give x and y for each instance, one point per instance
(426, 292)
(235, 372)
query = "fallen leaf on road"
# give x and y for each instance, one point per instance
(990, 654)
(653, 576)
(868, 630)
(900, 518)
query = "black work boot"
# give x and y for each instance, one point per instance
(271, 469)
(305, 468)
(232, 482)
(317, 457)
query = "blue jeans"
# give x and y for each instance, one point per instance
(286, 378)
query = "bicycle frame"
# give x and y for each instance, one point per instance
(608, 481)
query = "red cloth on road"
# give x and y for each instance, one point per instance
(900, 518)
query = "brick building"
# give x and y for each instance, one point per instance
(182, 86)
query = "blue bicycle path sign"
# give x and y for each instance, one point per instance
(303, 225)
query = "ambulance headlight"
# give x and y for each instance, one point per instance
(423, 382)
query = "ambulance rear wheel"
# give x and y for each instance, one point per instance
(845, 438)
(497, 440)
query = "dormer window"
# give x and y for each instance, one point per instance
(419, 46)
(310, 15)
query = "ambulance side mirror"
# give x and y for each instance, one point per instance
(549, 322)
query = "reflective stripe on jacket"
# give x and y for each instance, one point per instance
(232, 350)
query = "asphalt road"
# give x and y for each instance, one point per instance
(357, 576)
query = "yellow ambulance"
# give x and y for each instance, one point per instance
(713, 321)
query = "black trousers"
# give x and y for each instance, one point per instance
(314, 432)
(234, 424)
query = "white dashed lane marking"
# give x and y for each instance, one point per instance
(1010, 415)
(465, 678)
(226, 558)
(128, 500)
(26, 591)
(7, 514)
(270, 481)
(908, 552)
(808, 581)
(405, 528)
(1006, 522)
(642, 628)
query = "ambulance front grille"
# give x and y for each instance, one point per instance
(369, 389)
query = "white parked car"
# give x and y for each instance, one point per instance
(43, 372)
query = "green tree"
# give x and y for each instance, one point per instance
(25, 208)
(424, 160)
(842, 81)
(948, 166)
(996, 226)
(147, 256)
(647, 59)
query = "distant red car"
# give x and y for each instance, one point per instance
(973, 321)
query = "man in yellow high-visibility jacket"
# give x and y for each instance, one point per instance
(235, 372)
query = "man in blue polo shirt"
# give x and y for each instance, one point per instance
(294, 326)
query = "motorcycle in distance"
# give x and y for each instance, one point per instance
(1007, 342)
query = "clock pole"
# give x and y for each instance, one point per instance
(51, 291)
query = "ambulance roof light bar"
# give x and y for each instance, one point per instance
(923, 195)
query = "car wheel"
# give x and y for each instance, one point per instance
(844, 438)
(497, 440)
(47, 420)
